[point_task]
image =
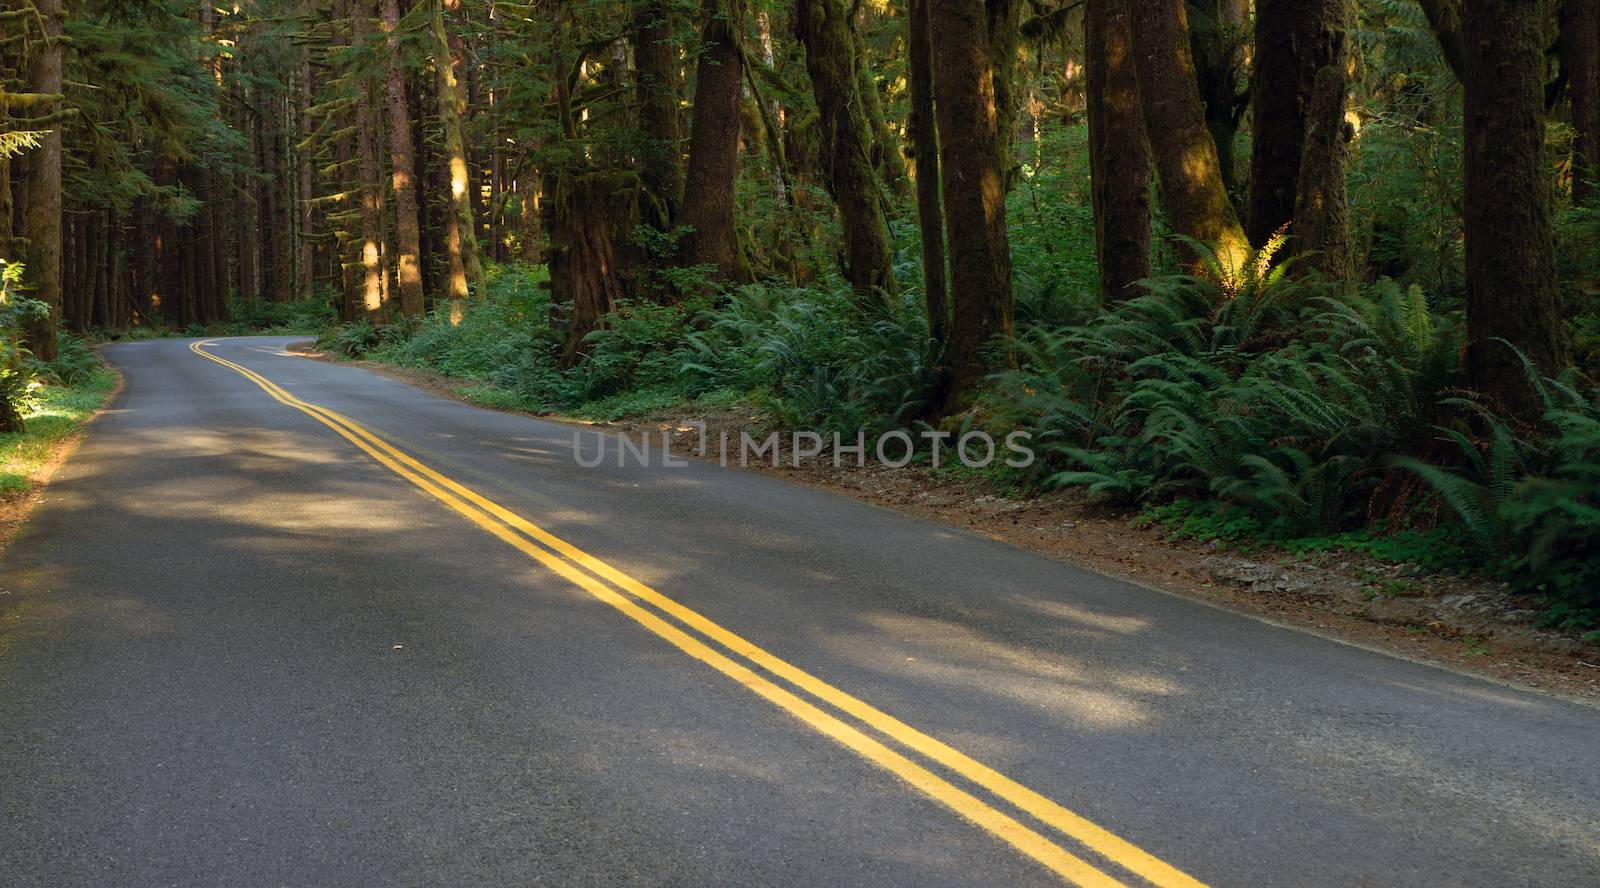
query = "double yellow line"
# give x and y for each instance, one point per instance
(737, 656)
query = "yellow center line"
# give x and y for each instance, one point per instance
(501, 522)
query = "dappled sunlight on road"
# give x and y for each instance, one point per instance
(962, 657)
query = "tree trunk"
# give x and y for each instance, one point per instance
(1580, 42)
(461, 233)
(246, 213)
(305, 271)
(1295, 39)
(1216, 67)
(277, 222)
(529, 183)
(886, 156)
(5, 206)
(1321, 210)
(1192, 188)
(825, 30)
(714, 148)
(925, 152)
(973, 174)
(1004, 30)
(1512, 300)
(656, 72)
(407, 228)
(583, 262)
(1119, 154)
(369, 127)
(42, 219)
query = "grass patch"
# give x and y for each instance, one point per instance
(59, 411)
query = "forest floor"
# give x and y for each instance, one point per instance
(54, 426)
(1466, 623)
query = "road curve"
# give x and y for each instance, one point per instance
(286, 622)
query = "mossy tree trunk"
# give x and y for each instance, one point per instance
(1580, 50)
(368, 300)
(1321, 210)
(656, 85)
(713, 166)
(825, 29)
(1295, 39)
(403, 178)
(1193, 191)
(460, 229)
(1119, 153)
(1215, 48)
(42, 214)
(972, 168)
(1513, 304)
(925, 153)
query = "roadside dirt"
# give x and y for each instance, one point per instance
(1463, 623)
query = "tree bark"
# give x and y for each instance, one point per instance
(305, 268)
(973, 173)
(1119, 153)
(1003, 23)
(1216, 66)
(1512, 300)
(825, 30)
(887, 158)
(1295, 39)
(402, 156)
(246, 212)
(461, 233)
(1321, 210)
(5, 206)
(1192, 189)
(925, 152)
(714, 148)
(1580, 42)
(656, 86)
(277, 221)
(42, 218)
(369, 126)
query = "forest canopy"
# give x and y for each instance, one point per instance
(1287, 269)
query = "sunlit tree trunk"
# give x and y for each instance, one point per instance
(972, 171)
(925, 152)
(407, 228)
(1512, 301)
(369, 133)
(1119, 154)
(1192, 189)
(42, 219)
(461, 234)
(714, 147)
(824, 27)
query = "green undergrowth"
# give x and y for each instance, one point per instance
(68, 393)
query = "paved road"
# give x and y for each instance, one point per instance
(245, 643)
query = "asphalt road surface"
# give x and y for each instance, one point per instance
(281, 622)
